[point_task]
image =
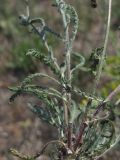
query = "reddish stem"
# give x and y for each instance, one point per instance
(69, 136)
(100, 106)
(81, 131)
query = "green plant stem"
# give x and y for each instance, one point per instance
(68, 67)
(46, 46)
(101, 63)
(27, 8)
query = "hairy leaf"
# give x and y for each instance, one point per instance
(98, 137)
(46, 59)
